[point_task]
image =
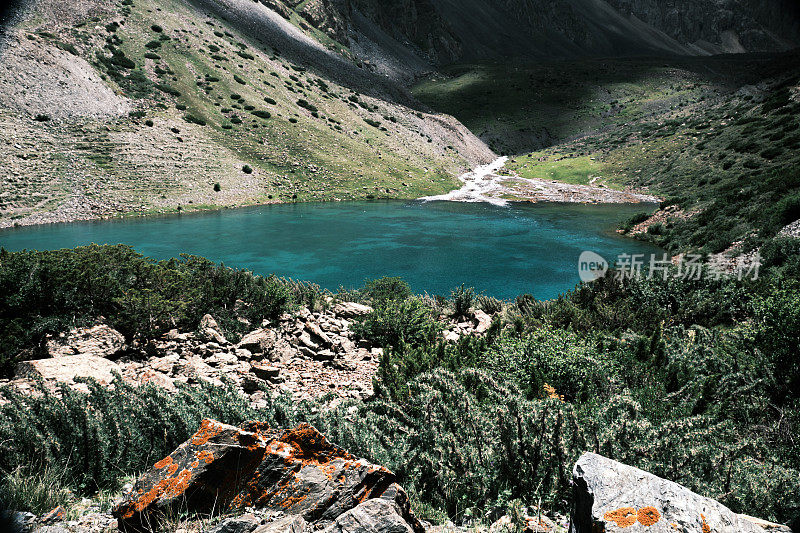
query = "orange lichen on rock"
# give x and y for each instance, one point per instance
(206, 456)
(167, 487)
(705, 527)
(163, 463)
(648, 516)
(624, 517)
(208, 430)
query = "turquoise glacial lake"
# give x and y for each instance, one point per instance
(434, 246)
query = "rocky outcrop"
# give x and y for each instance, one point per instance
(447, 31)
(297, 472)
(610, 496)
(97, 341)
(66, 369)
(307, 355)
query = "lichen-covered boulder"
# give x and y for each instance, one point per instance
(222, 467)
(389, 513)
(609, 496)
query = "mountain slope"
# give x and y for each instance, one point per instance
(144, 105)
(447, 31)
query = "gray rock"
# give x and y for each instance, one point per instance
(99, 341)
(352, 309)
(265, 372)
(66, 369)
(209, 330)
(610, 496)
(242, 524)
(372, 516)
(288, 524)
(258, 341)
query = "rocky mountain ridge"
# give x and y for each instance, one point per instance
(446, 31)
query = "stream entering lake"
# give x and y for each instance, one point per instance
(435, 246)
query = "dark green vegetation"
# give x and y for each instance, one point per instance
(696, 381)
(45, 293)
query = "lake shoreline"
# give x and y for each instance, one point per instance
(46, 219)
(482, 184)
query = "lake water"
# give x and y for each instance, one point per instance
(435, 246)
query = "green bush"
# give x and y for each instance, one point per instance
(93, 439)
(45, 293)
(305, 104)
(193, 119)
(247, 169)
(397, 322)
(463, 299)
(386, 289)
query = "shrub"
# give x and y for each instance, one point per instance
(262, 114)
(305, 104)
(463, 300)
(93, 439)
(156, 28)
(634, 220)
(193, 119)
(152, 55)
(490, 305)
(407, 322)
(153, 45)
(45, 293)
(247, 169)
(217, 187)
(42, 117)
(386, 289)
(163, 87)
(239, 79)
(270, 101)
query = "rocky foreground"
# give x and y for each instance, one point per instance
(258, 479)
(307, 355)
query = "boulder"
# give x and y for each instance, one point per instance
(258, 341)
(210, 330)
(609, 496)
(265, 372)
(317, 334)
(389, 513)
(352, 309)
(225, 468)
(99, 341)
(241, 524)
(482, 321)
(288, 524)
(66, 369)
